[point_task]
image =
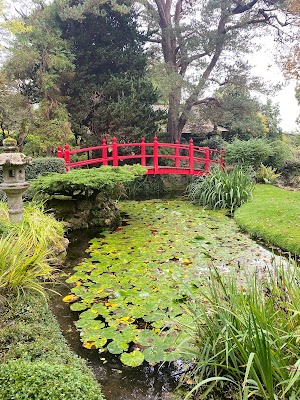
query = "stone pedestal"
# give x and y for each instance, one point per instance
(14, 185)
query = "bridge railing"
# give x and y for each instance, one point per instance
(176, 158)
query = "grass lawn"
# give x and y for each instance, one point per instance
(274, 216)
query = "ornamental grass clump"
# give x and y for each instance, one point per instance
(28, 250)
(246, 336)
(222, 189)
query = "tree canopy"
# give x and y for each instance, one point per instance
(203, 45)
(82, 70)
(82, 64)
(108, 92)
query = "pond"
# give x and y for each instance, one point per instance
(133, 284)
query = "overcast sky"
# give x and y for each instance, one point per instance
(266, 66)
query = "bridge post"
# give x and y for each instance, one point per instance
(191, 156)
(207, 158)
(115, 152)
(104, 152)
(67, 157)
(176, 154)
(222, 158)
(155, 154)
(59, 152)
(143, 152)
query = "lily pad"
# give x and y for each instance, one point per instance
(117, 347)
(133, 359)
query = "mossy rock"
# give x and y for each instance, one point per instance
(91, 212)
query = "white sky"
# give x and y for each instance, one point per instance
(267, 68)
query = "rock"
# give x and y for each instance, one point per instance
(90, 212)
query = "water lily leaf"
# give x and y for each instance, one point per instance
(101, 342)
(129, 333)
(79, 290)
(154, 355)
(79, 275)
(78, 307)
(95, 325)
(108, 333)
(89, 314)
(70, 298)
(117, 347)
(89, 337)
(88, 345)
(145, 338)
(133, 359)
(172, 355)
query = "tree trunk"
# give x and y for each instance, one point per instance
(173, 115)
(22, 136)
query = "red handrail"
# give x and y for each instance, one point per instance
(185, 158)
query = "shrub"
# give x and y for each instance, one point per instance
(280, 153)
(221, 189)
(21, 380)
(40, 167)
(290, 172)
(266, 174)
(43, 166)
(82, 183)
(250, 153)
(290, 168)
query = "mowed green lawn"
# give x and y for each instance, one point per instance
(274, 216)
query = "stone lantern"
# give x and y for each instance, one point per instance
(13, 165)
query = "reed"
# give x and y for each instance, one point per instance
(222, 189)
(247, 333)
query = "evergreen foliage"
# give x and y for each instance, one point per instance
(82, 183)
(43, 166)
(109, 93)
(21, 380)
(250, 153)
(33, 351)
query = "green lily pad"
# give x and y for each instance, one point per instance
(154, 355)
(133, 359)
(117, 347)
(78, 306)
(101, 342)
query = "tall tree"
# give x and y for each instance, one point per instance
(40, 62)
(242, 114)
(203, 43)
(109, 93)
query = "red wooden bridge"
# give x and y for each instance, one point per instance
(176, 158)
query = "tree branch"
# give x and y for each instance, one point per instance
(241, 8)
(207, 101)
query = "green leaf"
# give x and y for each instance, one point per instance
(133, 359)
(154, 355)
(117, 347)
(78, 306)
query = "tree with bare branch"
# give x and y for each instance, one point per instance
(203, 44)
